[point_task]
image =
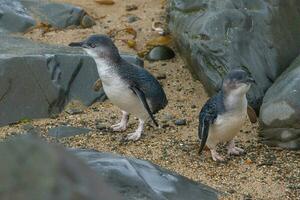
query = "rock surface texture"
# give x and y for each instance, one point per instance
(214, 36)
(21, 15)
(38, 80)
(137, 179)
(280, 111)
(33, 170)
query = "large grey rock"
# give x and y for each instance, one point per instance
(56, 14)
(14, 17)
(38, 80)
(280, 111)
(20, 15)
(33, 170)
(214, 36)
(137, 179)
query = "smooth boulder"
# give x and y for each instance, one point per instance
(14, 17)
(38, 80)
(215, 36)
(34, 170)
(138, 179)
(21, 15)
(280, 111)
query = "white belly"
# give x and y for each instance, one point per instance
(117, 90)
(122, 96)
(225, 128)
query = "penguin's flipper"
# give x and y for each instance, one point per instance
(207, 117)
(203, 133)
(142, 98)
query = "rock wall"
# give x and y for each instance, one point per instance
(214, 36)
(280, 111)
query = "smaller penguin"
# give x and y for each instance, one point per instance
(222, 116)
(132, 88)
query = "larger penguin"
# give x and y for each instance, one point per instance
(132, 88)
(223, 115)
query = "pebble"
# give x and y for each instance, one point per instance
(73, 111)
(161, 76)
(160, 53)
(131, 7)
(132, 18)
(193, 106)
(180, 122)
(87, 21)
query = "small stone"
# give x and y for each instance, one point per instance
(247, 197)
(131, 7)
(132, 18)
(87, 21)
(180, 122)
(105, 2)
(160, 53)
(231, 191)
(97, 85)
(161, 76)
(102, 127)
(193, 106)
(73, 111)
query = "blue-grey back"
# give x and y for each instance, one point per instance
(145, 81)
(212, 108)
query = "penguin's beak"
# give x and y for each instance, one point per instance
(78, 44)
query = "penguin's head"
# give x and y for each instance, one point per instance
(237, 82)
(99, 46)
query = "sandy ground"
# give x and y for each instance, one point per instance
(263, 173)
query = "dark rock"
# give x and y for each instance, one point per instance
(280, 111)
(87, 21)
(38, 80)
(131, 7)
(214, 36)
(137, 179)
(14, 17)
(67, 131)
(161, 76)
(18, 15)
(160, 53)
(59, 15)
(180, 122)
(132, 18)
(33, 170)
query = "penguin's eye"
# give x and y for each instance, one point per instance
(92, 45)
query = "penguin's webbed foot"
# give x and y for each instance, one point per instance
(134, 136)
(138, 132)
(122, 125)
(235, 151)
(216, 157)
(119, 127)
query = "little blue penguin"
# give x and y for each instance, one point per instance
(222, 116)
(130, 87)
